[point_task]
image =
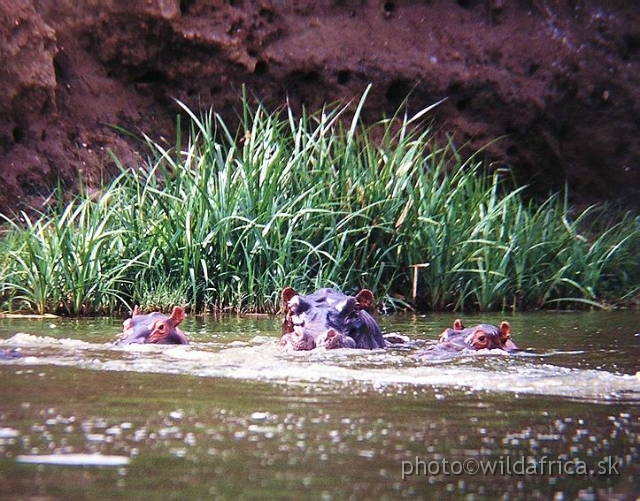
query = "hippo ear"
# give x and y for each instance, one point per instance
(458, 325)
(288, 293)
(127, 323)
(365, 299)
(504, 331)
(177, 316)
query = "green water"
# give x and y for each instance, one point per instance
(230, 417)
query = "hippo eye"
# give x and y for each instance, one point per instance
(161, 327)
(482, 338)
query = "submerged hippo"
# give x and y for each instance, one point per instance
(479, 337)
(328, 318)
(460, 339)
(153, 328)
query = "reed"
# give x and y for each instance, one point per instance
(225, 221)
(70, 262)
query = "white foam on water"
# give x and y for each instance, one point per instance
(477, 371)
(9, 433)
(74, 459)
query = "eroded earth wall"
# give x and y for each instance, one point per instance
(557, 81)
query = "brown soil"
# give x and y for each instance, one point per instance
(560, 79)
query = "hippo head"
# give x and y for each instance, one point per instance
(331, 319)
(482, 336)
(153, 328)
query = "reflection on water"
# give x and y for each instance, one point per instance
(230, 417)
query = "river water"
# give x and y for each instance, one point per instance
(230, 417)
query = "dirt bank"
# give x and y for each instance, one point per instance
(559, 79)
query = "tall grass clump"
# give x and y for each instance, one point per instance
(69, 262)
(228, 218)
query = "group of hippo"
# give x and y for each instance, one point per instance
(327, 318)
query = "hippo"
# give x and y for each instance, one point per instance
(330, 319)
(460, 339)
(479, 337)
(153, 328)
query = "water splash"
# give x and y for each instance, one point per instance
(259, 359)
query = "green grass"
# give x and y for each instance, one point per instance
(227, 220)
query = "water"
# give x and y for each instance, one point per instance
(230, 417)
